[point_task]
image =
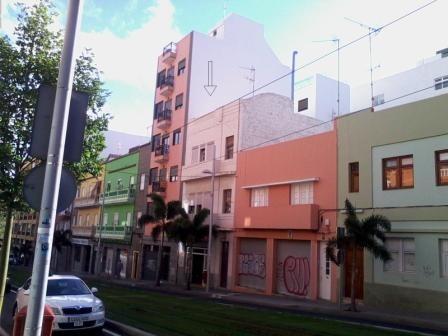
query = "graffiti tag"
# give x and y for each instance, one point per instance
(252, 264)
(296, 275)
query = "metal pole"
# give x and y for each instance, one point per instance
(338, 77)
(371, 66)
(44, 240)
(99, 256)
(210, 227)
(293, 72)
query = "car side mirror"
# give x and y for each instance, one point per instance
(26, 292)
(94, 290)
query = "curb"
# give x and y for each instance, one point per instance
(125, 329)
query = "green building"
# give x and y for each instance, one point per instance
(118, 214)
(394, 162)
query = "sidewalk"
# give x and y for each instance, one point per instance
(423, 323)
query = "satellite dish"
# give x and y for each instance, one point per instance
(34, 183)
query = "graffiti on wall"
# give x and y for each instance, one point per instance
(252, 264)
(296, 275)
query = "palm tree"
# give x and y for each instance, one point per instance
(368, 233)
(162, 215)
(189, 232)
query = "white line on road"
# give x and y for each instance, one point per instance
(108, 332)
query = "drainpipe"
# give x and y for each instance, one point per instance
(294, 53)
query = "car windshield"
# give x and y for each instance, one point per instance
(66, 287)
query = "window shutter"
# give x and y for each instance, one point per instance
(195, 155)
(209, 152)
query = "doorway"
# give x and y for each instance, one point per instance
(135, 257)
(324, 273)
(224, 264)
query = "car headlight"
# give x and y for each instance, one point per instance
(56, 311)
(98, 308)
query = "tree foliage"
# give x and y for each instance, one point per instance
(28, 59)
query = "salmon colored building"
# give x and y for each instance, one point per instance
(286, 195)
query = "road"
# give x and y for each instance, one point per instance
(6, 321)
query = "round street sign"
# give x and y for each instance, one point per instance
(34, 184)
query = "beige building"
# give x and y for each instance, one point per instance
(262, 120)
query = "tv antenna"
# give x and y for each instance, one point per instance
(337, 41)
(251, 77)
(372, 30)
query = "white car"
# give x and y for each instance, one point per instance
(73, 303)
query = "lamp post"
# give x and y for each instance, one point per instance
(209, 248)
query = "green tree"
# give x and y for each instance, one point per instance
(368, 233)
(190, 232)
(162, 215)
(28, 59)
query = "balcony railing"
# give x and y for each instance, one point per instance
(85, 231)
(164, 119)
(115, 232)
(169, 53)
(167, 86)
(159, 187)
(118, 196)
(81, 202)
(161, 153)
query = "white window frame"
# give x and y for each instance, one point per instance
(259, 197)
(401, 250)
(302, 193)
(142, 181)
(444, 258)
(441, 82)
(128, 218)
(105, 218)
(116, 219)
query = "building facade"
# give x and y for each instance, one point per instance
(118, 216)
(283, 220)
(394, 162)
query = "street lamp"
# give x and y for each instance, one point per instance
(209, 248)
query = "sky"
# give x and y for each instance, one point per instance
(127, 36)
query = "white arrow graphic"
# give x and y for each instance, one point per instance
(210, 87)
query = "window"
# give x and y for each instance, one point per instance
(95, 220)
(116, 218)
(444, 257)
(128, 218)
(441, 82)
(191, 209)
(227, 201)
(302, 105)
(442, 167)
(378, 100)
(155, 141)
(198, 208)
(162, 175)
(181, 67)
(132, 183)
(179, 101)
(176, 137)
(398, 172)
(142, 181)
(229, 147)
(202, 154)
(119, 184)
(173, 174)
(194, 154)
(302, 193)
(88, 220)
(80, 221)
(158, 109)
(109, 184)
(402, 251)
(259, 197)
(353, 182)
(153, 174)
(105, 218)
(161, 78)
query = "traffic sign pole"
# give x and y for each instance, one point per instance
(44, 240)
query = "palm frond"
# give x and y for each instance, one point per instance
(146, 219)
(379, 250)
(376, 225)
(158, 205)
(156, 231)
(200, 217)
(330, 251)
(173, 209)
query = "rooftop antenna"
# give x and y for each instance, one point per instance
(251, 77)
(372, 30)
(337, 41)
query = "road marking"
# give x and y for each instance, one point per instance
(108, 332)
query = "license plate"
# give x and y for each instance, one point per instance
(77, 321)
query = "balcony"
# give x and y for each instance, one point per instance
(118, 196)
(164, 119)
(196, 170)
(159, 187)
(167, 86)
(162, 153)
(84, 231)
(88, 201)
(169, 53)
(289, 217)
(118, 232)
